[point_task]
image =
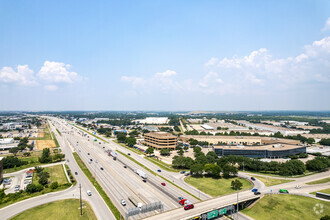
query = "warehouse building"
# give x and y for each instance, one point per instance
(160, 140)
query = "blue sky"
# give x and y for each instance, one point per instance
(164, 55)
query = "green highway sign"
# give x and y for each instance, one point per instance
(212, 214)
(222, 211)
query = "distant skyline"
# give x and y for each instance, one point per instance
(165, 55)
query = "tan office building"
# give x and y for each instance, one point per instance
(160, 140)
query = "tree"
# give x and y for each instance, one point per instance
(310, 140)
(58, 157)
(236, 184)
(181, 152)
(130, 141)
(193, 142)
(150, 150)
(197, 149)
(45, 157)
(38, 169)
(32, 188)
(326, 217)
(185, 148)
(212, 169)
(325, 141)
(43, 180)
(164, 152)
(318, 164)
(121, 137)
(54, 185)
(228, 170)
(13, 150)
(197, 169)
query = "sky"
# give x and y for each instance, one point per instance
(165, 55)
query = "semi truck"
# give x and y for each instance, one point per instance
(135, 201)
(185, 202)
(141, 173)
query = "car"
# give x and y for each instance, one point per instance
(101, 168)
(164, 184)
(257, 193)
(123, 202)
(99, 142)
(91, 159)
(297, 187)
(189, 206)
(159, 170)
(283, 191)
(252, 178)
(180, 198)
(182, 172)
(89, 193)
(88, 154)
(76, 173)
(128, 154)
(125, 166)
(254, 190)
(68, 160)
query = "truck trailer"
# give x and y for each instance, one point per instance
(141, 173)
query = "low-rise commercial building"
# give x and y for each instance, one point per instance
(160, 140)
(265, 151)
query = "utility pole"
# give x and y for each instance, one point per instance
(80, 200)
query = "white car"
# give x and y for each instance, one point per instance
(89, 193)
(123, 202)
(297, 187)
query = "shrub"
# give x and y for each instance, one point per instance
(54, 185)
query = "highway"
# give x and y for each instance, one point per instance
(117, 181)
(178, 212)
(176, 178)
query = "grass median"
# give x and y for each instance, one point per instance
(154, 173)
(58, 132)
(89, 175)
(272, 181)
(62, 209)
(325, 180)
(326, 191)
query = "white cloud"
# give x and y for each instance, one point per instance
(212, 61)
(51, 87)
(167, 73)
(327, 25)
(56, 72)
(23, 75)
(209, 79)
(135, 81)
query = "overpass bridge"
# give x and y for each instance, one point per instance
(209, 209)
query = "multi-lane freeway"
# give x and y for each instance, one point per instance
(119, 181)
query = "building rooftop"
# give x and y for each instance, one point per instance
(161, 134)
(271, 147)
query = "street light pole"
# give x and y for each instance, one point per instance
(237, 204)
(80, 200)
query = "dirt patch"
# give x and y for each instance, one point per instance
(41, 134)
(41, 144)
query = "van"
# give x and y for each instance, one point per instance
(89, 193)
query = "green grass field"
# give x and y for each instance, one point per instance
(327, 191)
(56, 174)
(325, 180)
(287, 207)
(62, 209)
(272, 181)
(162, 164)
(216, 187)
